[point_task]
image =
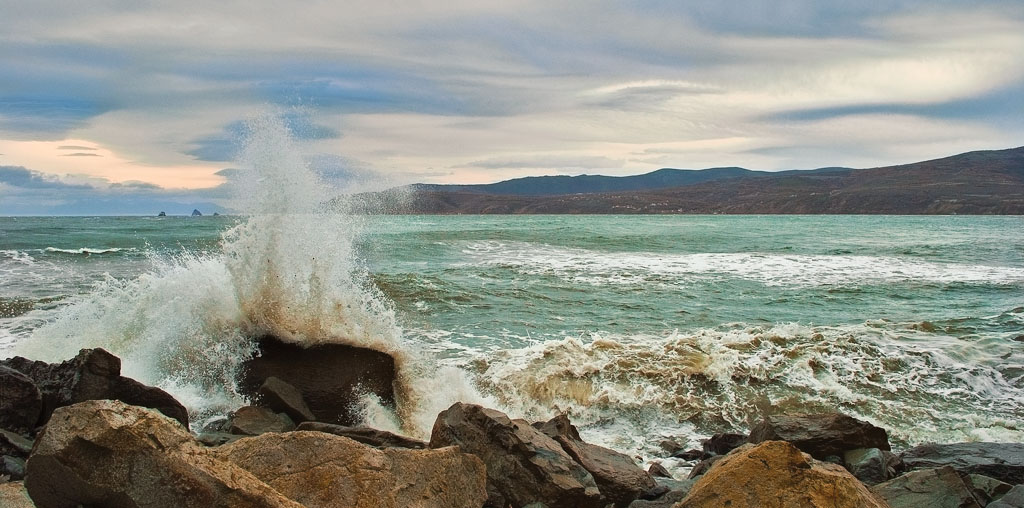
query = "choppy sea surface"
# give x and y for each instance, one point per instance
(640, 327)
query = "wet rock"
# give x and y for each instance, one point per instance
(323, 470)
(365, 435)
(985, 489)
(14, 444)
(1012, 499)
(670, 446)
(870, 465)
(934, 488)
(776, 473)
(12, 467)
(20, 401)
(331, 378)
(821, 435)
(691, 455)
(704, 466)
(218, 438)
(14, 495)
(668, 500)
(523, 464)
(1002, 461)
(619, 479)
(94, 374)
(657, 469)
(107, 453)
(285, 398)
(723, 443)
(253, 421)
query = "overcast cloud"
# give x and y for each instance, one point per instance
(136, 93)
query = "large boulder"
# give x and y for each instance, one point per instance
(331, 378)
(821, 435)
(619, 479)
(365, 435)
(20, 401)
(934, 488)
(524, 465)
(94, 374)
(777, 474)
(1002, 461)
(107, 453)
(323, 470)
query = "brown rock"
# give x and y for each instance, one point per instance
(365, 435)
(657, 469)
(934, 488)
(330, 377)
(775, 474)
(523, 465)
(94, 374)
(20, 401)
(704, 466)
(107, 453)
(14, 495)
(285, 398)
(821, 435)
(619, 479)
(253, 421)
(322, 470)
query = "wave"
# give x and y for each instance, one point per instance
(86, 250)
(599, 267)
(18, 256)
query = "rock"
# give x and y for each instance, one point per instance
(704, 466)
(330, 377)
(94, 374)
(777, 474)
(677, 485)
(365, 435)
(107, 453)
(657, 469)
(985, 489)
(523, 464)
(218, 438)
(285, 398)
(12, 467)
(253, 421)
(821, 435)
(618, 478)
(1002, 461)
(668, 500)
(721, 444)
(322, 470)
(14, 444)
(670, 446)
(196, 213)
(934, 488)
(14, 495)
(1013, 499)
(869, 465)
(654, 492)
(691, 455)
(20, 401)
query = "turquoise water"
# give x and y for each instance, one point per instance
(641, 327)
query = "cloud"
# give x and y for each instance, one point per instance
(75, 147)
(226, 145)
(548, 162)
(80, 154)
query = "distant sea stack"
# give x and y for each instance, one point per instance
(196, 213)
(162, 214)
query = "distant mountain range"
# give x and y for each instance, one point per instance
(982, 182)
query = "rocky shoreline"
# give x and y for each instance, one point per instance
(80, 434)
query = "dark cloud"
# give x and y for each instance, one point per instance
(17, 176)
(81, 154)
(75, 147)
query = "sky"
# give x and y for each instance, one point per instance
(123, 107)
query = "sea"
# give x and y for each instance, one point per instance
(641, 328)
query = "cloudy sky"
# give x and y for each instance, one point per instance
(123, 106)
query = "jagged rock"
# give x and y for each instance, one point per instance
(330, 377)
(1012, 499)
(821, 435)
(776, 473)
(985, 489)
(365, 435)
(285, 398)
(196, 213)
(657, 469)
(1002, 461)
(14, 495)
(721, 444)
(322, 470)
(704, 466)
(107, 453)
(619, 479)
(934, 488)
(870, 465)
(20, 403)
(94, 374)
(253, 421)
(14, 444)
(523, 464)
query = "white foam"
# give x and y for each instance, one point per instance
(18, 256)
(85, 250)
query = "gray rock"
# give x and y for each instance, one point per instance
(12, 467)
(523, 464)
(986, 489)
(821, 435)
(253, 421)
(285, 398)
(657, 470)
(218, 438)
(692, 455)
(14, 444)
(1012, 499)
(365, 435)
(704, 465)
(1002, 461)
(666, 501)
(870, 465)
(20, 401)
(933, 488)
(723, 443)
